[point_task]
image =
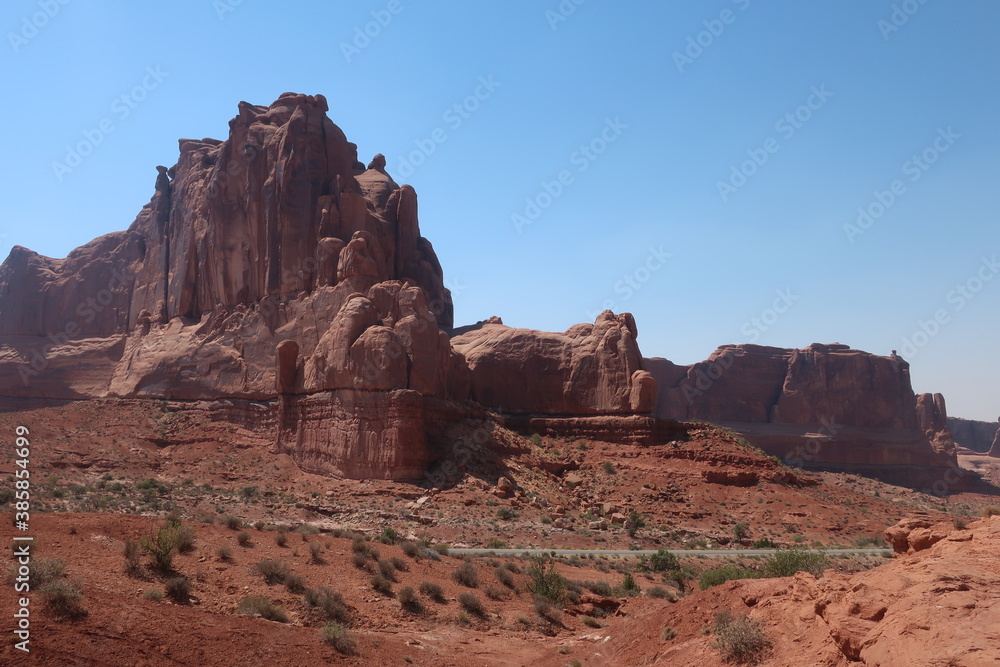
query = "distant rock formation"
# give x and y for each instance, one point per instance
(273, 268)
(972, 434)
(589, 369)
(995, 449)
(822, 405)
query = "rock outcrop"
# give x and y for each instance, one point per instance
(272, 263)
(589, 369)
(995, 449)
(824, 405)
(974, 435)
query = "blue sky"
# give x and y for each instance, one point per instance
(711, 153)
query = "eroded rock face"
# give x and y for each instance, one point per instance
(995, 449)
(270, 264)
(588, 369)
(823, 404)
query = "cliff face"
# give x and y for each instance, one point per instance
(273, 266)
(971, 434)
(824, 404)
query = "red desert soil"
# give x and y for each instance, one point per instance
(106, 471)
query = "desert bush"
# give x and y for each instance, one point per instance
(495, 593)
(160, 547)
(389, 536)
(337, 636)
(764, 543)
(387, 569)
(178, 589)
(506, 514)
(667, 634)
(787, 563)
(133, 553)
(512, 567)
(273, 571)
(960, 523)
(360, 546)
(599, 588)
(723, 574)
(629, 587)
(409, 601)
(411, 549)
(281, 539)
(440, 549)
(741, 530)
(262, 607)
(153, 594)
(463, 618)
(259, 525)
(990, 510)
(432, 590)
(382, 584)
(400, 564)
(243, 538)
(504, 576)
(185, 538)
(608, 467)
(329, 602)
(742, 640)
(64, 600)
(233, 523)
(663, 560)
(471, 604)
(591, 622)
(316, 552)
(633, 523)
(657, 592)
(361, 561)
(546, 583)
(466, 575)
(224, 553)
(545, 609)
(294, 583)
(870, 541)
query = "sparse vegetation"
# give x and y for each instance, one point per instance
(466, 575)
(224, 553)
(64, 600)
(742, 640)
(153, 594)
(668, 633)
(160, 547)
(990, 510)
(723, 574)
(337, 636)
(787, 563)
(409, 601)
(328, 602)
(471, 604)
(432, 590)
(262, 607)
(243, 538)
(382, 584)
(273, 571)
(663, 560)
(591, 622)
(178, 589)
(548, 584)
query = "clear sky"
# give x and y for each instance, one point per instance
(699, 164)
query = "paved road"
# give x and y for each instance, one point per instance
(650, 552)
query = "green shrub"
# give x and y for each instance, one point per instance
(591, 622)
(629, 587)
(787, 563)
(506, 514)
(764, 543)
(545, 609)
(233, 523)
(548, 584)
(609, 467)
(723, 574)
(160, 547)
(389, 536)
(742, 641)
(663, 560)
(261, 606)
(599, 588)
(337, 636)
(153, 595)
(741, 530)
(633, 523)
(64, 600)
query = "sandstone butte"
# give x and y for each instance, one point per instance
(275, 280)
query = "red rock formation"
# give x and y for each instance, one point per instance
(272, 263)
(824, 404)
(589, 369)
(995, 449)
